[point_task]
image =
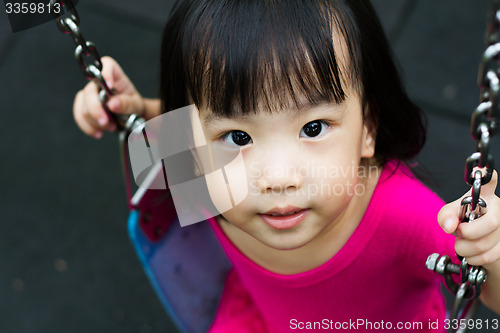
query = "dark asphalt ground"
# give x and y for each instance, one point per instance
(66, 264)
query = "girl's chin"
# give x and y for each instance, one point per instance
(284, 243)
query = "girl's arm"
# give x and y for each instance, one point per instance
(152, 108)
(479, 240)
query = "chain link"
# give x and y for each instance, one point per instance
(70, 9)
(86, 54)
(484, 118)
(478, 171)
(90, 62)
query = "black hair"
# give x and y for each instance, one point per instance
(233, 55)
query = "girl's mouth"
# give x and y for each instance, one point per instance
(284, 218)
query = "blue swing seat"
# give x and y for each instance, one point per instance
(185, 265)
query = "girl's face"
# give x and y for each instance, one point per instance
(301, 169)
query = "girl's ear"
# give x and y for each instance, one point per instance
(368, 140)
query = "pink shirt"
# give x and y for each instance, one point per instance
(379, 274)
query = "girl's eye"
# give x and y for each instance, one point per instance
(313, 128)
(238, 138)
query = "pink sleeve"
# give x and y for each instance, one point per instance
(236, 311)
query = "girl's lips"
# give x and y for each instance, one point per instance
(284, 221)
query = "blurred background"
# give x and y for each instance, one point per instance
(66, 263)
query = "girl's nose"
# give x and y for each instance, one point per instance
(281, 172)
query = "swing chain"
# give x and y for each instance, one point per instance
(90, 62)
(86, 54)
(479, 168)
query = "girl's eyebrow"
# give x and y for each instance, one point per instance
(214, 118)
(210, 118)
(325, 106)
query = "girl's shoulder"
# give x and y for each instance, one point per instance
(410, 213)
(406, 205)
(405, 189)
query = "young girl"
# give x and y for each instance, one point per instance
(335, 229)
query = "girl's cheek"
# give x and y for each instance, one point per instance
(228, 185)
(236, 173)
(218, 191)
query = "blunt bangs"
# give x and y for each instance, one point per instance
(243, 56)
(234, 57)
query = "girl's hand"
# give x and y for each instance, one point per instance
(479, 240)
(88, 111)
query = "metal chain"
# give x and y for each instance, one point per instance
(86, 54)
(478, 172)
(90, 62)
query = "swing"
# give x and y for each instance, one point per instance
(187, 267)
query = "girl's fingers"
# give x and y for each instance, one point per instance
(479, 240)
(91, 116)
(470, 248)
(485, 258)
(115, 76)
(448, 216)
(115, 105)
(485, 225)
(490, 221)
(126, 104)
(93, 110)
(109, 125)
(107, 70)
(89, 113)
(85, 125)
(127, 100)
